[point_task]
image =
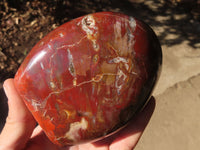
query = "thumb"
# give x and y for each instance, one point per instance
(19, 124)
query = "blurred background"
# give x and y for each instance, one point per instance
(176, 123)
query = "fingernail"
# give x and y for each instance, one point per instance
(5, 89)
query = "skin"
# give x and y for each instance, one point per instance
(21, 133)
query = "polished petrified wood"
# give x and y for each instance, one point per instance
(88, 77)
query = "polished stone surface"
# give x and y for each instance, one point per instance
(88, 77)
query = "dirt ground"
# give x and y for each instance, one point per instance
(175, 124)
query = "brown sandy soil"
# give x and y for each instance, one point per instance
(175, 124)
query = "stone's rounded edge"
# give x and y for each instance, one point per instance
(156, 57)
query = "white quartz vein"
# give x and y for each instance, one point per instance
(72, 45)
(96, 79)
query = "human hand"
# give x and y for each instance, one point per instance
(20, 131)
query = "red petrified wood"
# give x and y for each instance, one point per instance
(88, 77)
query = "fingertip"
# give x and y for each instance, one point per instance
(152, 103)
(17, 108)
(7, 81)
(6, 84)
(142, 118)
(149, 107)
